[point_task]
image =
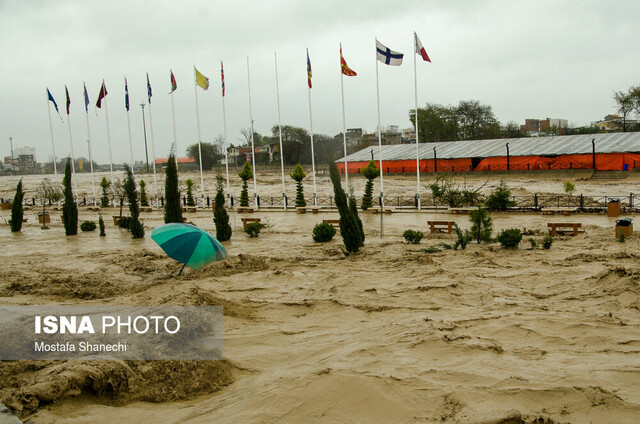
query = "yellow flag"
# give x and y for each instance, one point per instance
(201, 80)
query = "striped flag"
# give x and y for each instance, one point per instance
(222, 77)
(420, 49)
(345, 68)
(308, 69)
(126, 94)
(149, 92)
(103, 93)
(66, 90)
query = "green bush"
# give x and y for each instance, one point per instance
(101, 225)
(547, 241)
(323, 232)
(370, 172)
(245, 174)
(413, 237)
(500, 198)
(253, 229)
(569, 187)
(124, 223)
(17, 213)
(533, 244)
(481, 225)
(88, 226)
(298, 175)
(463, 238)
(350, 224)
(510, 238)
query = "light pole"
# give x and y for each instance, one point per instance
(13, 163)
(144, 128)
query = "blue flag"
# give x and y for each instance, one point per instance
(53, 101)
(126, 94)
(86, 98)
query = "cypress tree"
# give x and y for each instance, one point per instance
(354, 210)
(144, 201)
(349, 228)
(190, 201)
(220, 215)
(370, 172)
(298, 175)
(17, 213)
(101, 225)
(105, 184)
(245, 174)
(172, 208)
(69, 207)
(135, 226)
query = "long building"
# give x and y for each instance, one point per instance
(603, 152)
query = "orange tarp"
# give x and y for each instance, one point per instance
(409, 166)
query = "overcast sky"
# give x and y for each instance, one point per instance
(527, 59)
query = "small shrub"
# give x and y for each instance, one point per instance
(621, 239)
(481, 225)
(431, 249)
(500, 198)
(446, 246)
(569, 187)
(124, 222)
(547, 241)
(88, 226)
(413, 237)
(510, 238)
(463, 238)
(101, 225)
(323, 232)
(533, 243)
(253, 229)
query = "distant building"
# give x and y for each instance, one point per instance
(186, 164)
(534, 127)
(613, 123)
(24, 160)
(408, 135)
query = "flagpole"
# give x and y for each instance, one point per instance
(313, 159)
(153, 152)
(379, 133)
(226, 147)
(173, 119)
(73, 160)
(129, 125)
(93, 181)
(344, 130)
(106, 115)
(253, 150)
(415, 85)
(284, 196)
(195, 89)
(53, 144)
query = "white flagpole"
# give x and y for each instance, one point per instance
(253, 149)
(415, 85)
(53, 144)
(284, 196)
(73, 160)
(129, 128)
(313, 158)
(106, 115)
(93, 181)
(173, 119)
(379, 133)
(195, 89)
(226, 147)
(344, 130)
(153, 152)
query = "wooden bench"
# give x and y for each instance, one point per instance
(244, 209)
(441, 226)
(246, 221)
(93, 209)
(572, 228)
(457, 211)
(564, 211)
(335, 223)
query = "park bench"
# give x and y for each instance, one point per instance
(243, 209)
(441, 226)
(560, 228)
(457, 211)
(335, 223)
(564, 211)
(246, 221)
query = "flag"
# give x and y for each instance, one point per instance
(308, 69)
(388, 56)
(86, 98)
(345, 68)
(103, 93)
(201, 80)
(66, 90)
(222, 76)
(53, 101)
(420, 49)
(174, 84)
(126, 94)
(149, 93)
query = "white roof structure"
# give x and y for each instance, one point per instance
(528, 146)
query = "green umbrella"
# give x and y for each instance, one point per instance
(188, 244)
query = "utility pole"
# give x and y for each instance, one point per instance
(144, 127)
(13, 163)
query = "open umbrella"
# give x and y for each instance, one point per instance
(188, 244)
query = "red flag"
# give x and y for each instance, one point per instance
(222, 76)
(420, 49)
(345, 68)
(103, 93)
(308, 70)
(174, 84)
